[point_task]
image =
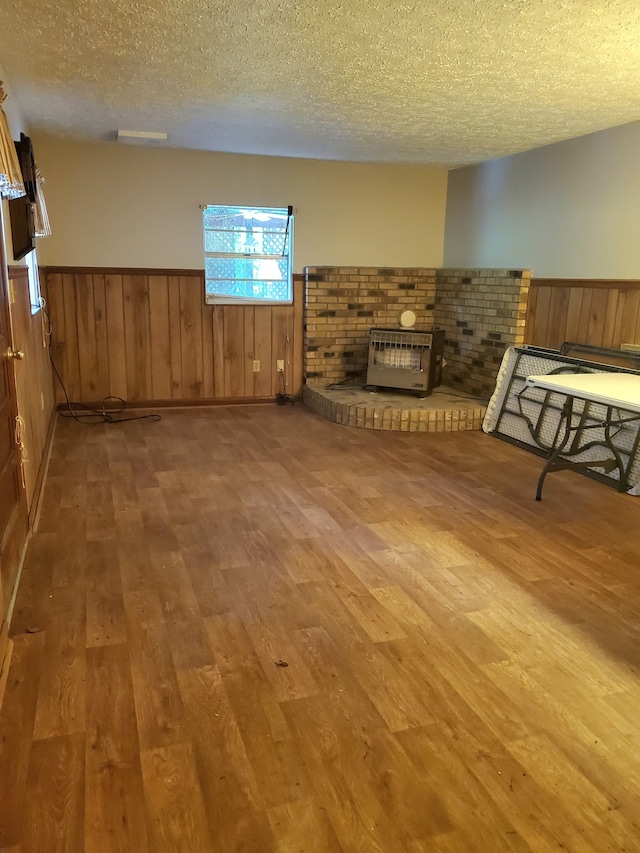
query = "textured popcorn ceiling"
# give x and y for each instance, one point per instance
(446, 82)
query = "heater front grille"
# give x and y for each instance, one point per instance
(404, 359)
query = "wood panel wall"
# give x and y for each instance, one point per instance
(34, 384)
(602, 313)
(148, 336)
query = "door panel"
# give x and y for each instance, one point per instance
(13, 504)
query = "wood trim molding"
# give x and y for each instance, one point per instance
(605, 283)
(42, 470)
(133, 405)
(17, 272)
(58, 270)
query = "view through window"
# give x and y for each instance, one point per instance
(248, 256)
(34, 282)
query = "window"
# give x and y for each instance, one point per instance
(248, 255)
(34, 282)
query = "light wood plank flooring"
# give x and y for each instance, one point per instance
(249, 629)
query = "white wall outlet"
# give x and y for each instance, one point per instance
(256, 366)
(280, 365)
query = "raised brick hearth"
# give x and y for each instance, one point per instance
(443, 411)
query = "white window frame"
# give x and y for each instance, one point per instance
(226, 299)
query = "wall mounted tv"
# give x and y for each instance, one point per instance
(22, 228)
(21, 209)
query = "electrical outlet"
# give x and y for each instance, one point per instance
(256, 366)
(280, 365)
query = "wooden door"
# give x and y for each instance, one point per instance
(13, 504)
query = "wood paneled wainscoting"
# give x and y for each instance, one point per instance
(598, 312)
(146, 335)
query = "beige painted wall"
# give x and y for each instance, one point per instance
(568, 210)
(122, 205)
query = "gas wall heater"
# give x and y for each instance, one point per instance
(405, 359)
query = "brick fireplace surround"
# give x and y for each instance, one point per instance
(481, 310)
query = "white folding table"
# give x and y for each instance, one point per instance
(619, 393)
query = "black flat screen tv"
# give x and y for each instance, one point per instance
(21, 209)
(22, 228)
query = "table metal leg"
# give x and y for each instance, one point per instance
(567, 414)
(560, 449)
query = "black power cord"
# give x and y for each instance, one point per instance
(355, 383)
(90, 415)
(283, 398)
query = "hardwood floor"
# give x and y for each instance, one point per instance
(248, 629)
